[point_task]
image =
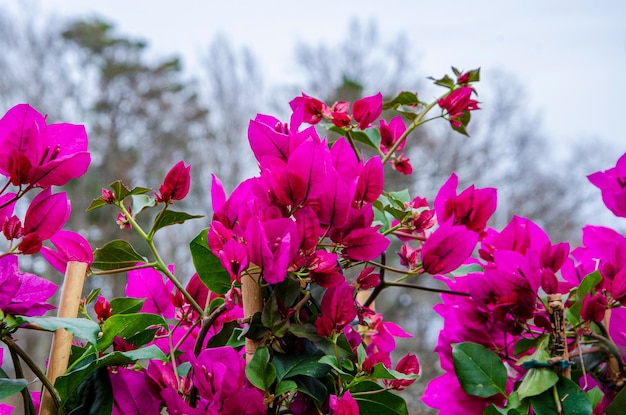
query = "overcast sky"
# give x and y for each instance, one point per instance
(569, 54)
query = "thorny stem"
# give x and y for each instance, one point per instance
(16, 353)
(410, 128)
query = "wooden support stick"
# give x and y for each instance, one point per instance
(62, 340)
(556, 310)
(252, 303)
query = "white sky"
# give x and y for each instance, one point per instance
(570, 55)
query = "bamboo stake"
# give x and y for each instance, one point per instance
(62, 339)
(556, 310)
(252, 303)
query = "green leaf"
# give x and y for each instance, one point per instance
(10, 386)
(96, 204)
(305, 331)
(67, 384)
(381, 372)
(114, 255)
(290, 365)
(260, 372)
(224, 335)
(208, 266)
(585, 287)
(480, 371)
(331, 361)
(94, 395)
(537, 381)
(272, 317)
(121, 192)
(403, 98)
(92, 296)
(285, 386)
(619, 403)
(312, 387)
(79, 327)
(595, 395)
(141, 202)
(127, 326)
(446, 81)
(524, 345)
(370, 137)
(171, 217)
(377, 403)
(125, 305)
(573, 400)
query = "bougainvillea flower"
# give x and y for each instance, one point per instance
(346, 405)
(148, 283)
(402, 164)
(519, 235)
(368, 279)
(594, 307)
(7, 204)
(24, 294)
(6, 409)
(391, 133)
(612, 184)
(46, 214)
(371, 182)
(409, 365)
(308, 109)
(272, 245)
(234, 258)
(380, 334)
(134, 393)
(471, 208)
(269, 138)
(339, 114)
(366, 110)
(304, 177)
(324, 269)
(175, 185)
(102, 309)
(617, 328)
(219, 375)
(338, 309)
(32, 152)
(364, 244)
(445, 394)
(447, 248)
(70, 246)
(457, 103)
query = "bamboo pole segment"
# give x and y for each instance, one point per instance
(556, 310)
(62, 340)
(252, 303)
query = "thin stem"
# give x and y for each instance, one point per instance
(410, 128)
(16, 351)
(132, 221)
(160, 265)
(380, 287)
(156, 220)
(126, 269)
(422, 288)
(206, 325)
(353, 145)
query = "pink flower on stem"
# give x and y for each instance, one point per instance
(391, 133)
(45, 216)
(338, 310)
(457, 103)
(70, 246)
(380, 334)
(594, 307)
(371, 182)
(402, 164)
(339, 114)
(176, 184)
(32, 152)
(148, 283)
(366, 110)
(24, 294)
(346, 405)
(612, 184)
(102, 308)
(447, 248)
(471, 208)
(272, 245)
(408, 365)
(311, 110)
